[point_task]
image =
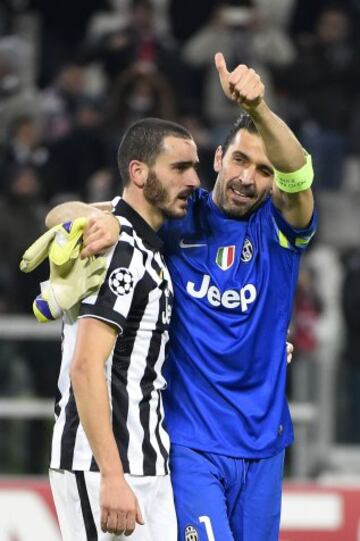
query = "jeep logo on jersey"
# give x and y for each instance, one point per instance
(231, 298)
(191, 534)
(225, 257)
(247, 251)
(121, 281)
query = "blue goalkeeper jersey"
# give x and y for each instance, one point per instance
(234, 283)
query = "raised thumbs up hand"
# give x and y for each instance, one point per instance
(242, 85)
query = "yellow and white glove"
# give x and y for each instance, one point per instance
(71, 278)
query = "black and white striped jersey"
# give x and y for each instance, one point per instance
(136, 297)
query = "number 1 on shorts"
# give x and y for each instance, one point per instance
(207, 523)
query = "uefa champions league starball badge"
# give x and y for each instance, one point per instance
(121, 281)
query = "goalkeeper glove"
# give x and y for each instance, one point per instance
(71, 278)
(66, 237)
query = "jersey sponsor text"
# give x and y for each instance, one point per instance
(230, 298)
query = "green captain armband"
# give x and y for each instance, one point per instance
(296, 181)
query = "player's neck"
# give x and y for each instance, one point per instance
(152, 215)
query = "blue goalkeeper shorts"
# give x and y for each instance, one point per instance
(218, 498)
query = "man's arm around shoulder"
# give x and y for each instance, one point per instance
(102, 229)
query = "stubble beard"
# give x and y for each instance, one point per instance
(231, 210)
(157, 195)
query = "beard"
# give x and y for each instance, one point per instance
(157, 195)
(154, 192)
(231, 209)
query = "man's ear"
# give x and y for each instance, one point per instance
(218, 159)
(138, 173)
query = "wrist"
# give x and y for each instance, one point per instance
(110, 463)
(112, 471)
(259, 111)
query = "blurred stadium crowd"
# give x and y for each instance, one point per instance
(74, 74)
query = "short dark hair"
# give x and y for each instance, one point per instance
(143, 141)
(244, 122)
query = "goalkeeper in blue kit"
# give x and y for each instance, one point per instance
(234, 261)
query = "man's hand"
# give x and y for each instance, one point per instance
(242, 85)
(101, 233)
(71, 279)
(120, 510)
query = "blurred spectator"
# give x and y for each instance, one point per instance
(102, 186)
(140, 91)
(139, 42)
(23, 148)
(351, 311)
(63, 27)
(324, 80)
(279, 12)
(22, 214)
(272, 45)
(306, 14)
(81, 152)
(61, 99)
(244, 36)
(16, 96)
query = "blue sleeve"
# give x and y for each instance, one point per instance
(289, 236)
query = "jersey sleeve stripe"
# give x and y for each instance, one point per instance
(304, 241)
(102, 318)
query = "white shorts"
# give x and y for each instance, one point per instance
(76, 497)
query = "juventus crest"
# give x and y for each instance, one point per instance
(191, 534)
(247, 251)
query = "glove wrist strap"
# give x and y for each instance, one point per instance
(47, 293)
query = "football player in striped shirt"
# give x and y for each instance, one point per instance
(109, 460)
(234, 260)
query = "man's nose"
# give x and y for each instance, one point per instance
(193, 180)
(248, 175)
